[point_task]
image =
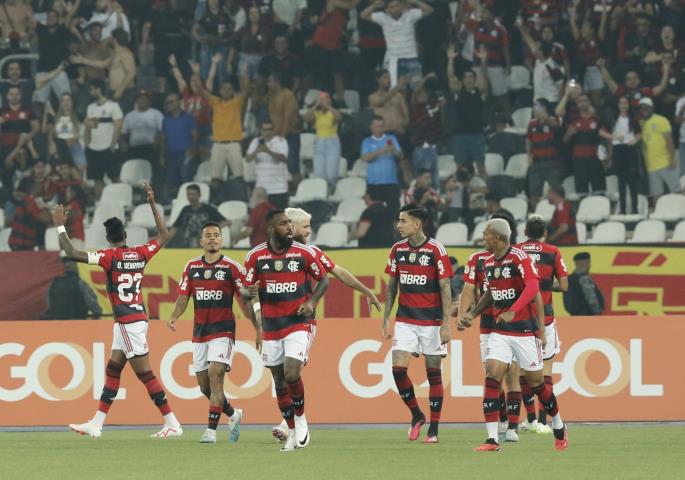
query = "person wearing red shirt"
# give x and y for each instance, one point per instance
(17, 126)
(512, 288)
(632, 87)
(256, 224)
(588, 52)
(29, 220)
(562, 228)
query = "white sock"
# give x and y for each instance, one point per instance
(556, 422)
(284, 424)
(292, 431)
(234, 417)
(99, 419)
(170, 420)
(211, 433)
(493, 429)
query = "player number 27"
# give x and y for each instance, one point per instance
(129, 286)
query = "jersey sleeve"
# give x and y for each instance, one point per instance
(148, 250)
(443, 264)
(185, 286)
(325, 261)
(528, 269)
(250, 270)
(560, 270)
(391, 268)
(238, 276)
(105, 258)
(312, 265)
(470, 270)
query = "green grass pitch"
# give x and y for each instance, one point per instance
(601, 451)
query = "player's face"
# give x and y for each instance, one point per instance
(211, 239)
(489, 240)
(282, 227)
(302, 231)
(407, 225)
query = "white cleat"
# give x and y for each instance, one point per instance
(86, 429)
(523, 426)
(290, 444)
(503, 427)
(302, 431)
(532, 427)
(209, 436)
(168, 431)
(280, 432)
(544, 429)
(234, 425)
(511, 436)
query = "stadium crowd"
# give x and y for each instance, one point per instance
(571, 109)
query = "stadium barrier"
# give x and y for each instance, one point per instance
(611, 368)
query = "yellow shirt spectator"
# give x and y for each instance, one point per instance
(325, 124)
(654, 146)
(226, 121)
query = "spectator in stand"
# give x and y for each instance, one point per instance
(583, 297)
(250, 44)
(433, 35)
(426, 124)
(669, 50)
(423, 181)
(634, 45)
(382, 152)
(103, 128)
(658, 151)
(544, 160)
(256, 223)
(64, 175)
(95, 50)
(398, 21)
(561, 229)
(111, 16)
(18, 126)
(467, 142)
(371, 43)
(287, 15)
(632, 88)
(178, 144)
(64, 136)
(53, 39)
(285, 119)
(548, 75)
(376, 224)
(270, 154)
(14, 79)
(559, 52)
(69, 297)
(214, 31)
(465, 197)
(141, 130)
(281, 61)
(185, 233)
(588, 52)
(75, 200)
(679, 120)
(390, 103)
(227, 128)
(16, 20)
(583, 136)
(623, 131)
(327, 143)
(29, 221)
(537, 15)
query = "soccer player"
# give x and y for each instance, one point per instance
(301, 232)
(512, 283)
(212, 280)
(419, 267)
(124, 266)
(553, 278)
(282, 268)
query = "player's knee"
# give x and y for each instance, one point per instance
(291, 376)
(113, 369)
(145, 376)
(206, 391)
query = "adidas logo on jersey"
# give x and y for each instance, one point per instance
(197, 275)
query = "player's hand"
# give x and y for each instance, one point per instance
(444, 333)
(306, 309)
(384, 331)
(454, 309)
(59, 215)
(171, 323)
(253, 291)
(543, 339)
(506, 317)
(150, 193)
(371, 299)
(464, 321)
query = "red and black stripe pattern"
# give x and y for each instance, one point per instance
(587, 52)
(496, 41)
(544, 141)
(475, 275)
(586, 139)
(25, 224)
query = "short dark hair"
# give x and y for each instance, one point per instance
(377, 117)
(209, 224)
(415, 211)
(423, 171)
(277, 77)
(14, 87)
(273, 214)
(120, 35)
(544, 103)
(195, 187)
(116, 232)
(559, 190)
(380, 72)
(99, 84)
(536, 227)
(546, 48)
(374, 195)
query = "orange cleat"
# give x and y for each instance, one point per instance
(562, 444)
(490, 445)
(415, 429)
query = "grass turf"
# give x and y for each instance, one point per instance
(604, 451)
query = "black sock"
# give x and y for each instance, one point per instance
(559, 432)
(433, 429)
(542, 416)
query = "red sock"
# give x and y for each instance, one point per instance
(214, 415)
(542, 414)
(155, 390)
(112, 380)
(547, 398)
(296, 391)
(513, 409)
(491, 400)
(406, 389)
(436, 392)
(285, 404)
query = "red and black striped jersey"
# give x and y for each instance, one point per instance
(505, 279)
(283, 280)
(538, 13)
(212, 286)
(419, 271)
(544, 140)
(475, 275)
(495, 39)
(124, 268)
(587, 51)
(586, 139)
(634, 94)
(550, 264)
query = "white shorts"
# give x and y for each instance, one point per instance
(216, 350)
(296, 345)
(312, 335)
(418, 339)
(553, 343)
(131, 338)
(526, 351)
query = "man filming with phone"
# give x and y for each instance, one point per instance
(270, 154)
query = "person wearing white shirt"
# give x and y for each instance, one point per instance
(398, 22)
(141, 130)
(548, 76)
(270, 154)
(110, 15)
(104, 120)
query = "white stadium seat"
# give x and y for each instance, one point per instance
(581, 232)
(494, 164)
(452, 234)
(351, 98)
(612, 187)
(669, 208)
(182, 192)
(517, 166)
(642, 211)
(359, 168)
(175, 212)
(332, 235)
(52, 240)
(545, 210)
(569, 185)
(121, 193)
(103, 211)
(342, 168)
(236, 212)
(226, 234)
(521, 117)
(310, 189)
(593, 209)
(249, 171)
(679, 233)
(204, 172)
(96, 237)
(649, 231)
(350, 187)
(307, 146)
(609, 232)
(136, 236)
(446, 166)
(477, 234)
(519, 78)
(517, 206)
(4, 237)
(142, 216)
(136, 172)
(349, 210)
(520, 232)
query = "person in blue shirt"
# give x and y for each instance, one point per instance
(179, 141)
(382, 152)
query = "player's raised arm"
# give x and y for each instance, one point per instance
(351, 281)
(390, 295)
(162, 232)
(59, 218)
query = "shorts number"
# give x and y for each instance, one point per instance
(129, 286)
